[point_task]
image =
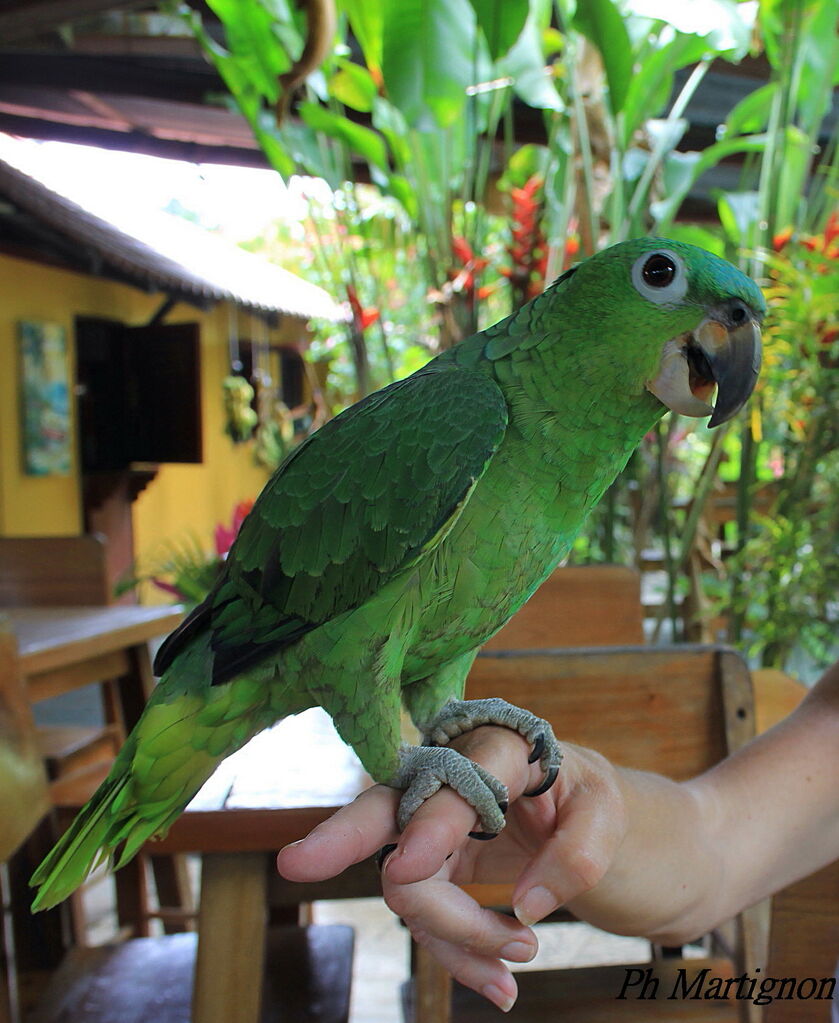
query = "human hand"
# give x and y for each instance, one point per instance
(554, 847)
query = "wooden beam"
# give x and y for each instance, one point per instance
(34, 17)
(182, 79)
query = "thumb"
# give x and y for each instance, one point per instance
(589, 828)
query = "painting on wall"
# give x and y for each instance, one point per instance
(45, 399)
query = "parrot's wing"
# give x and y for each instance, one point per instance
(358, 502)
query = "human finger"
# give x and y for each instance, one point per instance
(484, 974)
(469, 940)
(441, 824)
(589, 828)
(357, 831)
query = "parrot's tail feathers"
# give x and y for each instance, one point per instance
(90, 840)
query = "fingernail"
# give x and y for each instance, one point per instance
(384, 855)
(518, 951)
(498, 997)
(535, 905)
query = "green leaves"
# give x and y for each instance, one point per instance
(353, 86)
(501, 22)
(428, 48)
(602, 24)
(358, 138)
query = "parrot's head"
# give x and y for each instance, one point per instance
(686, 323)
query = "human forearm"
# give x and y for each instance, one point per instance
(695, 854)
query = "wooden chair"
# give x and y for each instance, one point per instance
(72, 571)
(576, 606)
(142, 979)
(804, 949)
(673, 710)
(64, 571)
(23, 802)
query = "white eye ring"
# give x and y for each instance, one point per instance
(662, 294)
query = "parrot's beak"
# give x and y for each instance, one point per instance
(724, 353)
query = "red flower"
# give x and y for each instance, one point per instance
(462, 250)
(362, 317)
(831, 231)
(225, 535)
(782, 239)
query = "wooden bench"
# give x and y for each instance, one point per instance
(804, 946)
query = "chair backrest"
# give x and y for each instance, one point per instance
(39, 571)
(576, 606)
(674, 710)
(804, 949)
(23, 786)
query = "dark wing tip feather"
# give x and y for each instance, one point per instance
(196, 620)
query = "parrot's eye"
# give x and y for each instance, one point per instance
(660, 277)
(659, 270)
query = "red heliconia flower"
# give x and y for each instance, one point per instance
(831, 231)
(782, 239)
(462, 250)
(369, 315)
(362, 316)
(528, 247)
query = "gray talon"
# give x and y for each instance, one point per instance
(459, 716)
(425, 769)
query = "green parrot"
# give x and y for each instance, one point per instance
(400, 536)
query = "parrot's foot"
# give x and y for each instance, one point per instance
(423, 770)
(459, 716)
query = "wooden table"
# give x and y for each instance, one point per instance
(61, 648)
(273, 791)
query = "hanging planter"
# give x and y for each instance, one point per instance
(240, 418)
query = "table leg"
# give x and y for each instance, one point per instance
(231, 939)
(432, 989)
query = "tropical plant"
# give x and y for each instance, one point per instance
(432, 106)
(184, 568)
(789, 566)
(427, 101)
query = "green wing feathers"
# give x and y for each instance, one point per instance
(181, 738)
(350, 508)
(363, 499)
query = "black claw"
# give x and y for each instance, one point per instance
(538, 748)
(484, 836)
(550, 778)
(383, 854)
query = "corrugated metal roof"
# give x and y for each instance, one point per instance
(165, 253)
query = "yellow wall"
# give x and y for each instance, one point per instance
(182, 498)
